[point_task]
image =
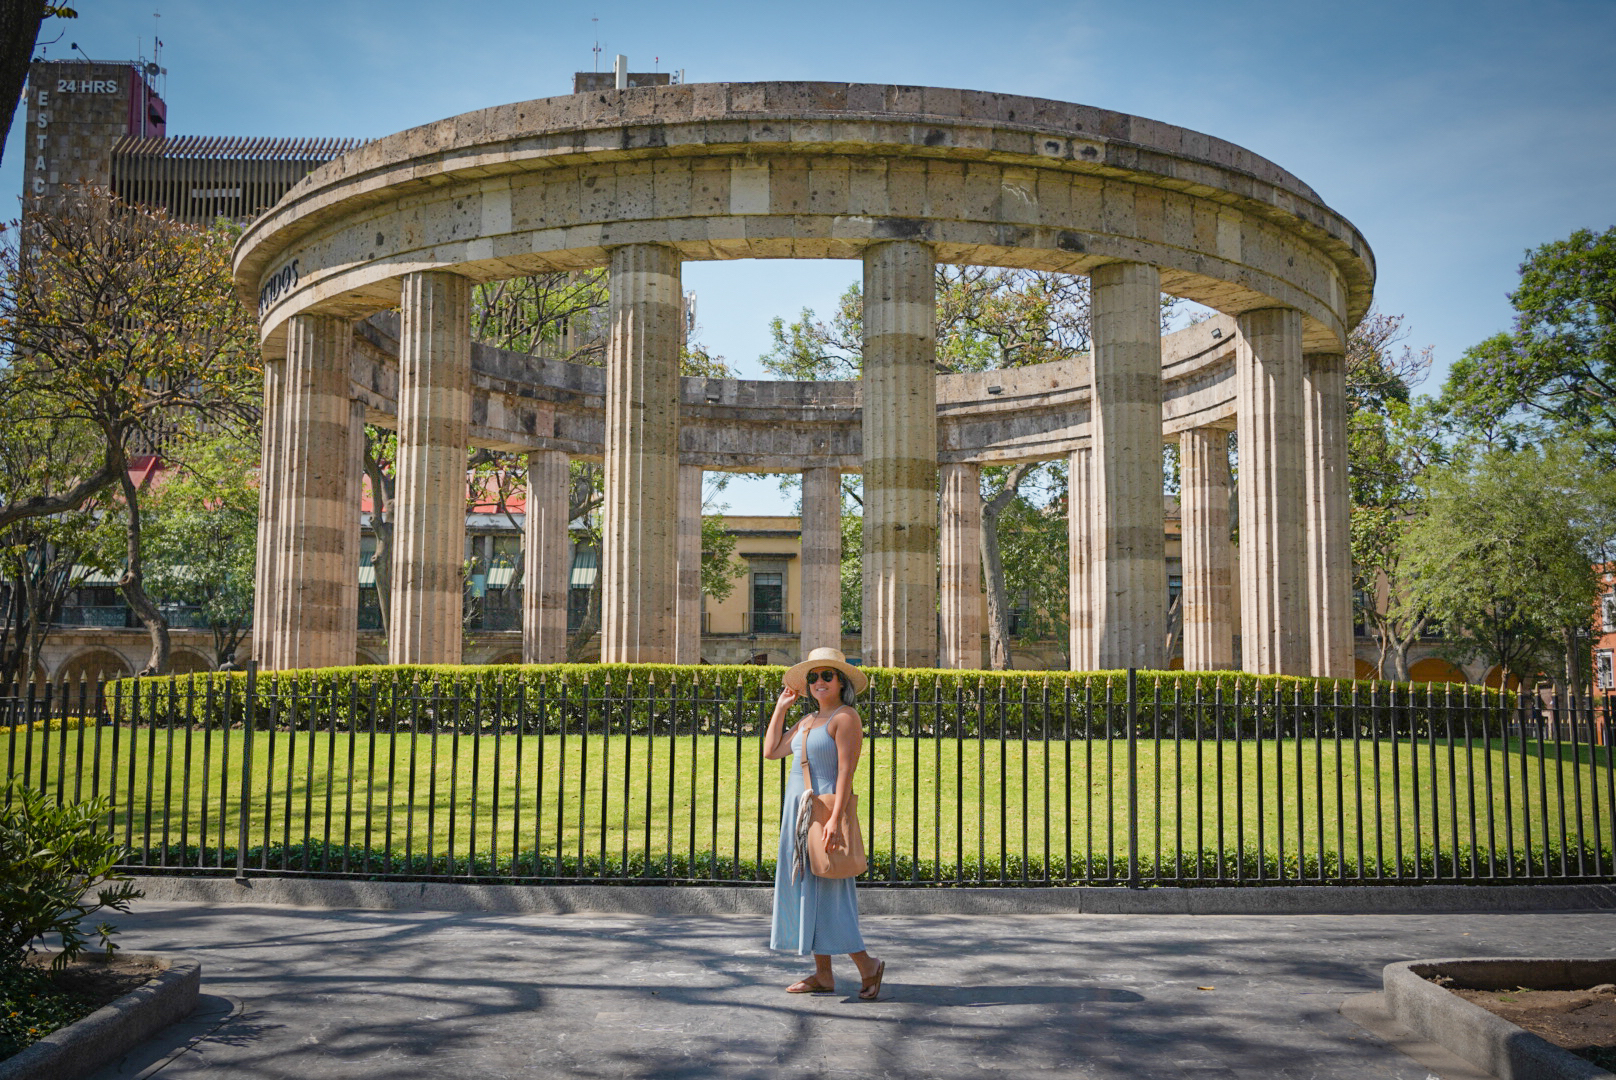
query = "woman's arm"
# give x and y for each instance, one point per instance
(776, 745)
(848, 731)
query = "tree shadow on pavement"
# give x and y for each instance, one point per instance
(408, 994)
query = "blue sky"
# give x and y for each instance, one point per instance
(1454, 135)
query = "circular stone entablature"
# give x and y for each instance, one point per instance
(808, 171)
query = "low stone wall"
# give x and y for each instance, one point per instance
(110, 1032)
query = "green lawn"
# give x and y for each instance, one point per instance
(944, 801)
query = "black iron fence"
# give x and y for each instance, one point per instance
(1078, 784)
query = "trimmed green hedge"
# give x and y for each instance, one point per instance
(1209, 867)
(730, 699)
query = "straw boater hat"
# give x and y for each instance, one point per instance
(796, 674)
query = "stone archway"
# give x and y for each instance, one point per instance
(187, 662)
(92, 665)
(900, 178)
(1434, 669)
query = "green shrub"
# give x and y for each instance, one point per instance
(59, 723)
(50, 858)
(31, 1007)
(1207, 867)
(660, 698)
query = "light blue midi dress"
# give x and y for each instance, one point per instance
(812, 914)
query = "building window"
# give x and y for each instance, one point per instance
(1607, 613)
(1602, 669)
(768, 603)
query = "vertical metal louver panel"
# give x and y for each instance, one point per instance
(198, 179)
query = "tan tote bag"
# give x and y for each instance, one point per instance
(839, 862)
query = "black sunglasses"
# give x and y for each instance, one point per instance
(815, 676)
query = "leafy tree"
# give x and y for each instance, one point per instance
(1391, 441)
(1558, 363)
(987, 318)
(1029, 537)
(560, 315)
(1507, 553)
(116, 318)
(41, 557)
(202, 538)
(720, 569)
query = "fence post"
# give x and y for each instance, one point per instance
(249, 726)
(1133, 778)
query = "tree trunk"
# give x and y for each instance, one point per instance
(36, 597)
(133, 584)
(993, 568)
(1568, 639)
(74, 497)
(19, 29)
(11, 639)
(1175, 625)
(579, 642)
(1396, 660)
(381, 523)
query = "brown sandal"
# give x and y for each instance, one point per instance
(810, 985)
(871, 988)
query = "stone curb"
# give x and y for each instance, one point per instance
(731, 900)
(1487, 1041)
(113, 1030)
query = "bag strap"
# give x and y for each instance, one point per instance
(807, 775)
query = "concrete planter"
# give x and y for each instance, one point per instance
(113, 1030)
(1487, 1041)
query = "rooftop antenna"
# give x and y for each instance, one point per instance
(157, 48)
(73, 46)
(596, 20)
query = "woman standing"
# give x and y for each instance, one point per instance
(813, 914)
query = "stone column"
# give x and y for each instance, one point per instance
(1208, 603)
(266, 571)
(1329, 526)
(1080, 560)
(688, 611)
(821, 559)
(545, 566)
(900, 456)
(1130, 557)
(434, 411)
(316, 621)
(1274, 638)
(961, 600)
(642, 456)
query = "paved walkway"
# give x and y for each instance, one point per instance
(302, 994)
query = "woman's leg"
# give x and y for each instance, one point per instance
(822, 978)
(870, 970)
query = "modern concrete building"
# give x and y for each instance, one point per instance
(105, 123)
(638, 180)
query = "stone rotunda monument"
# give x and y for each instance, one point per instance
(902, 178)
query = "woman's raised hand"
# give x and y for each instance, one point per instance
(787, 696)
